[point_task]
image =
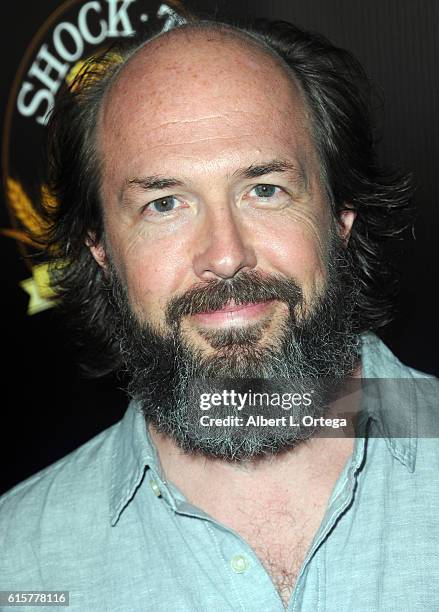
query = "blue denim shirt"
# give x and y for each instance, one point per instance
(102, 524)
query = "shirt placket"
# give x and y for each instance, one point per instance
(309, 593)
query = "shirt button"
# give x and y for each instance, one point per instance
(239, 563)
(154, 486)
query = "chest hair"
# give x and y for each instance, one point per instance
(280, 537)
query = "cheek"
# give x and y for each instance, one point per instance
(297, 248)
(152, 270)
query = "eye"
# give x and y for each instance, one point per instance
(162, 205)
(265, 191)
(271, 197)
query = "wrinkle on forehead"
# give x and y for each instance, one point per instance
(186, 95)
(205, 118)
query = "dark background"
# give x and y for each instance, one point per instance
(47, 407)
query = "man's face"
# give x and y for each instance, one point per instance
(210, 171)
(219, 246)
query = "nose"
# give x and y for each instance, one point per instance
(223, 249)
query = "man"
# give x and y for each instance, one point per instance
(221, 213)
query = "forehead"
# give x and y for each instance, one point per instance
(206, 94)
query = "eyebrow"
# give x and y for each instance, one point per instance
(147, 183)
(272, 166)
(150, 183)
(157, 182)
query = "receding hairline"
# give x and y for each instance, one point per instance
(200, 27)
(204, 27)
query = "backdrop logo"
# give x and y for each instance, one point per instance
(73, 32)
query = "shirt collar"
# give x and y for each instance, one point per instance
(134, 450)
(133, 453)
(390, 399)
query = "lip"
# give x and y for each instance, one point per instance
(232, 313)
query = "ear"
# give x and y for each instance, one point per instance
(346, 218)
(98, 251)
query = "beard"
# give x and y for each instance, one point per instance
(312, 351)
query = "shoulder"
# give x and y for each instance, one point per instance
(55, 502)
(81, 472)
(76, 469)
(410, 403)
(379, 362)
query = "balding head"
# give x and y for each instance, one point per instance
(190, 47)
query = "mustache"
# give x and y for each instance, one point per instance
(247, 287)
